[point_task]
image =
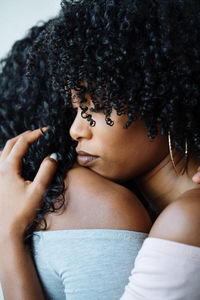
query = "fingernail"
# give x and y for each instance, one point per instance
(43, 129)
(54, 156)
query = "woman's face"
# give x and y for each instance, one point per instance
(112, 151)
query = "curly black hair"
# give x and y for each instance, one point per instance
(26, 103)
(140, 58)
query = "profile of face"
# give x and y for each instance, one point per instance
(114, 152)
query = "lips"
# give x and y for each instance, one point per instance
(85, 159)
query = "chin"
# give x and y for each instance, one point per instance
(109, 176)
(102, 173)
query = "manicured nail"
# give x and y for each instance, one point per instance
(43, 129)
(54, 156)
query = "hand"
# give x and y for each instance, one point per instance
(196, 177)
(20, 198)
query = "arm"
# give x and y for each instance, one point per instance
(18, 200)
(168, 264)
(17, 272)
(185, 213)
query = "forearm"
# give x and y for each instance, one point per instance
(18, 275)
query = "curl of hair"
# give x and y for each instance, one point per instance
(141, 58)
(28, 104)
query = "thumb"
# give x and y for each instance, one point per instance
(196, 177)
(45, 173)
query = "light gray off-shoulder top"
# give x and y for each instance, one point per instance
(91, 264)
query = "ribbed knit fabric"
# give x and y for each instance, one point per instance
(92, 264)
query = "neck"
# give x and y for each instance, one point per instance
(161, 186)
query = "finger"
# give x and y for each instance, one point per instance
(21, 146)
(196, 178)
(9, 145)
(45, 174)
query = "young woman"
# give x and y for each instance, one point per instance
(109, 64)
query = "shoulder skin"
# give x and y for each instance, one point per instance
(180, 221)
(91, 201)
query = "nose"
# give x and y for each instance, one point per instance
(80, 128)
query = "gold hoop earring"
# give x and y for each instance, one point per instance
(172, 159)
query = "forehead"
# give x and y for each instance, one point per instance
(77, 98)
(88, 95)
(92, 99)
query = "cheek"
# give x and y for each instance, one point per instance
(116, 151)
(127, 154)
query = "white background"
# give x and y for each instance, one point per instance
(17, 16)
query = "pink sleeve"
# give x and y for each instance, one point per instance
(165, 270)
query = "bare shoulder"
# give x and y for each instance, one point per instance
(93, 201)
(180, 221)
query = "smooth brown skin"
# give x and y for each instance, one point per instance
(180, 221)
(92, 201)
